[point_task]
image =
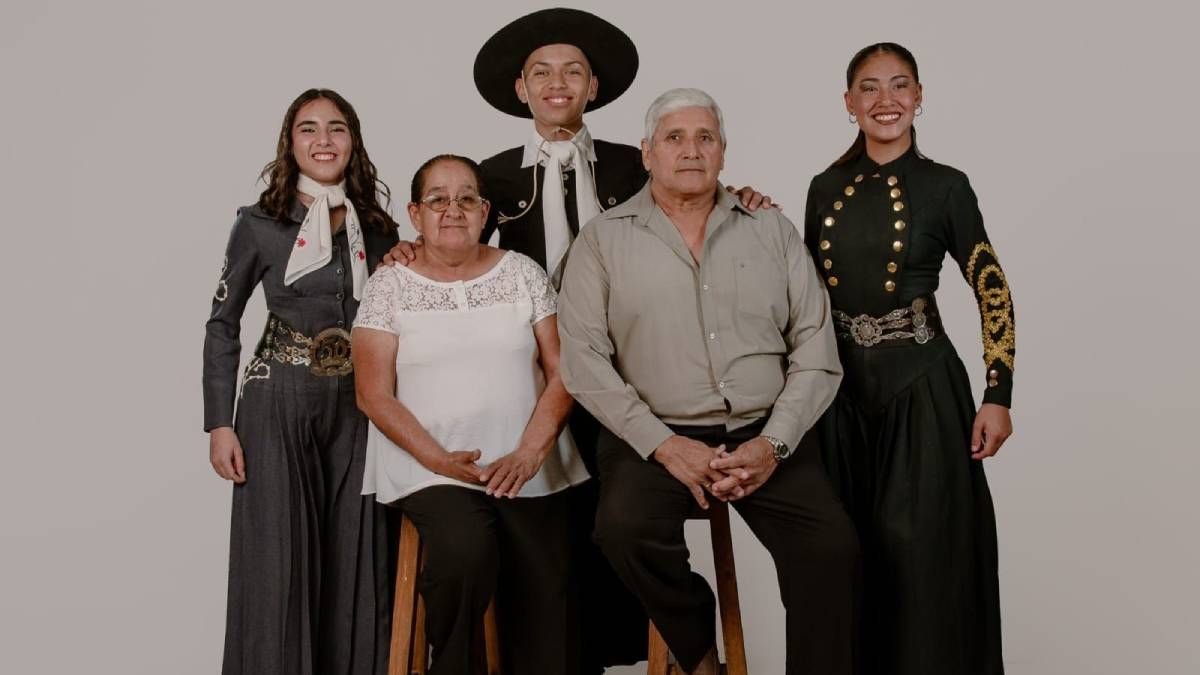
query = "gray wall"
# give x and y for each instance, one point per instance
(132, 130)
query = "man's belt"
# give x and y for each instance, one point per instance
(918, 322)
(326, 354)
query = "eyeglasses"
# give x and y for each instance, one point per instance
(466, 203)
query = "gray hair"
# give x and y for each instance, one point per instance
(678, 99)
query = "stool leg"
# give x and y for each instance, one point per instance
(491, 639)
(659, 663)
(727, 593)
(405, 607)
(420, 648)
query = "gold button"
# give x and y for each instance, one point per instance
(900, 225)
(895, 193)
(832, 281)
(874, 175)
(891, 267)
(993, 383)
(849, 190)
(837, 206)
(858, 178)
(889, 285)
(825, 245)
(897, 246)
(993, 374)
(828, 221)
(898, 206)
(892, 180)
(828, 263)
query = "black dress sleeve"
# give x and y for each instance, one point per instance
(812, 226)
(977, 260)
(242, 271)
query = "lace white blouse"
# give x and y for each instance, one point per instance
(467, 367)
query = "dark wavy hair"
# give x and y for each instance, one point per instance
(859, 146)
(418, 179)
(363, 186)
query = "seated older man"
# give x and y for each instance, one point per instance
(699, 334)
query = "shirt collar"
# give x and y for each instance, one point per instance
(641, 206)
(535, 154)
(297, 211)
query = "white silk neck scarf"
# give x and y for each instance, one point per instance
(558, 155)
(314, 243)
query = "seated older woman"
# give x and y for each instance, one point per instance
(457, 362)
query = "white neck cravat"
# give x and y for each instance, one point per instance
(557, 156)
(314, 243)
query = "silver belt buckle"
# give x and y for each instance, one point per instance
(865, 330)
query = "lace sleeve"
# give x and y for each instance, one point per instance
(381, 300)
(545, 300)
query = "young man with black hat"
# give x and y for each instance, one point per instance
(552, 66)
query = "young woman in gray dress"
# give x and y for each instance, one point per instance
(308, 552)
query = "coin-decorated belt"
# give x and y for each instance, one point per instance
(918, 322)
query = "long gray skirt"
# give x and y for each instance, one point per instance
(308, 558)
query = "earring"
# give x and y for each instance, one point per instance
(918, 112)
(853, 118)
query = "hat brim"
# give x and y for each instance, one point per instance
(611, 54)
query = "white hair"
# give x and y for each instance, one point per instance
(677, 99)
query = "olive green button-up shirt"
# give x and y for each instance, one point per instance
(651, 338)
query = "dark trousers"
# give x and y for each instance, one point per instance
(795, 515)
(477, 546)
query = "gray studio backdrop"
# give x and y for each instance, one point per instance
(132, 130)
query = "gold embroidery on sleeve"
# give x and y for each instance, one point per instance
(995, 308)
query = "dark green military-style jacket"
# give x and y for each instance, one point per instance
(879, 234)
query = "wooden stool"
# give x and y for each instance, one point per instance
(727, 597)
(410, 651)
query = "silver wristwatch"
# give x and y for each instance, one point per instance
(782, 451)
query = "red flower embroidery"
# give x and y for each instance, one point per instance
(362, 256)
(300, 243)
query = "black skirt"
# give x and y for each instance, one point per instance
(896, 444)
(308, 559)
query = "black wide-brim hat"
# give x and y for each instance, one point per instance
(610, 52)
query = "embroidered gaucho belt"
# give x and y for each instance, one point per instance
(326, 354)
(918, 322)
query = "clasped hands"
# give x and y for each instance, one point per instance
(727, 476)
(503, 478)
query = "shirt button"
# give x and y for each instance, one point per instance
(712, 336)
(341, 295)
(335, 248)
(339, 271)
(705, 287)
(341, 323)
(721, 384)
